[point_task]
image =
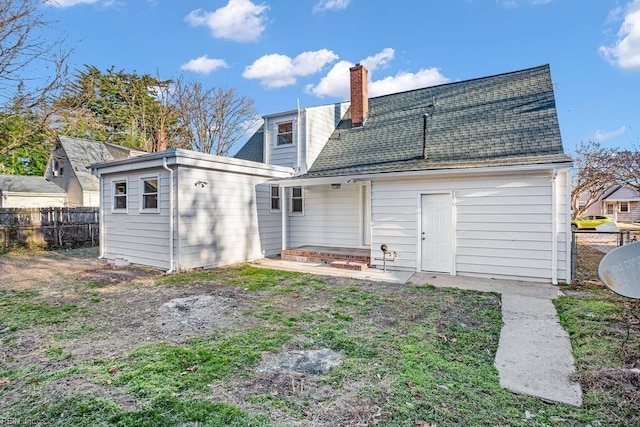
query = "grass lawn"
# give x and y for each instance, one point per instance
(132, 347)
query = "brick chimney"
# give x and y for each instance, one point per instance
(359, 95)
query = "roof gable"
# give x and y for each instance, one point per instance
(253, 149)
(502, 120)
(83, 152)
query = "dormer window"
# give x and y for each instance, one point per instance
(58, 170)
(285, 133)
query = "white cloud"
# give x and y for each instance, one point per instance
(379, 59)
(204, 65)
(625, 52)
(239, 20)
(336, 82)
(614, 15)
(323, 5)
(68, 3)
(277, 70)
(407, 81)
(600, 136)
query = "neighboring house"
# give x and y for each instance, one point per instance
(22, 191)
(466, 178)
(620, 202)
(67, 167)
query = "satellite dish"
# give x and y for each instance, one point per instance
(619, 270)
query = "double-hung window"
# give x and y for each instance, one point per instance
(275, 199)
(120, 196)
(624, 206)
(285, 133)
(297, 201)
(149, 194)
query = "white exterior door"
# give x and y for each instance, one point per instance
(437, 233)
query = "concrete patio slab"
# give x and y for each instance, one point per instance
(322, 269)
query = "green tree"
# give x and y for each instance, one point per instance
(118, 107)
(24, 146)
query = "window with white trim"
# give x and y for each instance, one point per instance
(149, 194)
(624, 206)
(285, 133)
(275, 199)
(58, 169)
(120, 196)
(297, 201)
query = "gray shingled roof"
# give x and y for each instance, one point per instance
(253, 149)
(502, 120)
(83, 152)
(28, 184)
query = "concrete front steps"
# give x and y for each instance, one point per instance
(342, 258)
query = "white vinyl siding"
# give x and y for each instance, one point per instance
(134, 237)
(269, 222)
(502, 225)
(331, 218)
(219, 223)
(281, 155)
(319, 124)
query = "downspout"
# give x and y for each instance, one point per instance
(299, 143)
(283, 206)
(554, 227)
(171, 214)
(101, 217)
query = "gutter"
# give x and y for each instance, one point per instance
(171, 213)
(301, 181)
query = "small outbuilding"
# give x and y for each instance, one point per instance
(179, 209)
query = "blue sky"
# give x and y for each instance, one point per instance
(281, 52)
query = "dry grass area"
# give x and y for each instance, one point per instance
(83, 343)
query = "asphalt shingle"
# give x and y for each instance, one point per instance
(507, 119)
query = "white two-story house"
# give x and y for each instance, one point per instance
(466, 178)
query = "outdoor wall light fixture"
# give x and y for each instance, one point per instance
(335, 186)
(200, 184)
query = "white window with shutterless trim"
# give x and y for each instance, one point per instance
(296, 201)
(274, 198)
(149, 194)
(120, 202)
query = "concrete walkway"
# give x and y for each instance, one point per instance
(534, 353)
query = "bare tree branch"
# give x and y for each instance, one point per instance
(594, 174)
(217, 118)
(32, 70)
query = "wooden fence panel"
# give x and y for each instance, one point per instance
(53, 227)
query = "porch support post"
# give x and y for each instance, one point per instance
(283, 210)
